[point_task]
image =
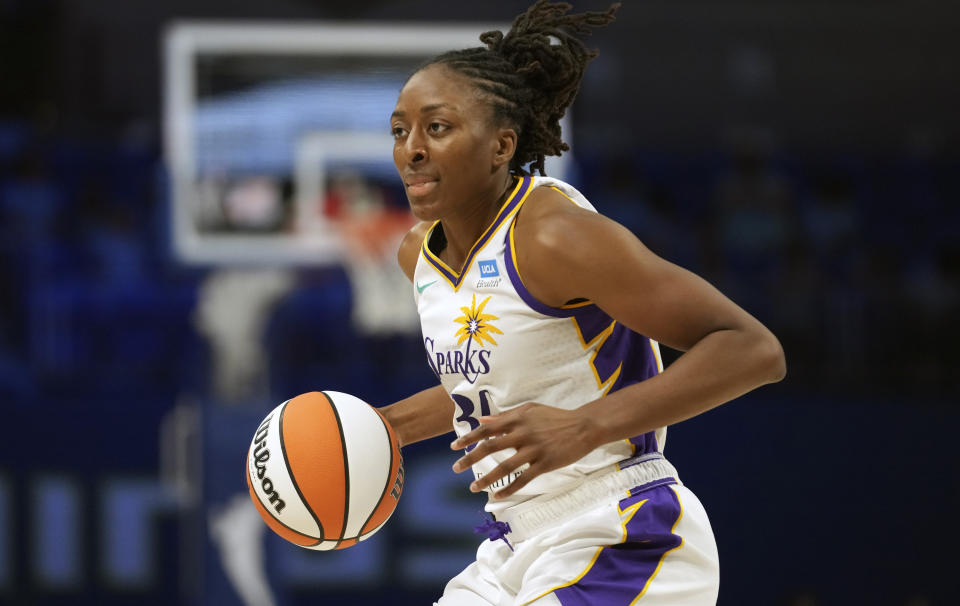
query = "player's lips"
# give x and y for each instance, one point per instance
(418, 185)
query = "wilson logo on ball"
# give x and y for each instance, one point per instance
(261, 454)
(398, 483)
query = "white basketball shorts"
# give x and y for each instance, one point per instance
(653, 547)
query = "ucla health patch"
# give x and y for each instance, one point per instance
(488, 269)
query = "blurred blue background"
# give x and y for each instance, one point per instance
(802, 156)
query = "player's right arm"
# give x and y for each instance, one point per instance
(423, 415)
(428, 413)
(410, 248)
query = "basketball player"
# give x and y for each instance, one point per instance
(542, 319)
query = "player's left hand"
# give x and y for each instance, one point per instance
(544, 437)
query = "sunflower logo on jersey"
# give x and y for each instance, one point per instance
(476, 330)
(476, 324)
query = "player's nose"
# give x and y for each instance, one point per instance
(415, 148)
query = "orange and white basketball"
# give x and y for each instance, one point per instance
(324, 470)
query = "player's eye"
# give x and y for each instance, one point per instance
(398, 132)
(437, 127)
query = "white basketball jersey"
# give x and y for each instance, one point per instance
(495, 347)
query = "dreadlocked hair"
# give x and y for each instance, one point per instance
(531, 75)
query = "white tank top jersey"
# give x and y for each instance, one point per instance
(495, 347)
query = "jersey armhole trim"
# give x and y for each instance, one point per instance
(585, 302)
(564, 194)
(510, 256)
(513, 271)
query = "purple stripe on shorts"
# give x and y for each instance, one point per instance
(651, 485)
(624, 571)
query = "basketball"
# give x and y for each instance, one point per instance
(324, 470)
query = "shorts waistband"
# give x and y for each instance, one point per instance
(528, 518)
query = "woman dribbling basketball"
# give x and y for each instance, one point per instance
(541, 319)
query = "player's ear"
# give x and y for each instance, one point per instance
(505, 146)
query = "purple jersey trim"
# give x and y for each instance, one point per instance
(645, 443)
(508, 207)
(528, 298)
(623, 572)
(633, 353)
(623, 349)
(446, 273)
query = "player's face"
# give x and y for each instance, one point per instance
(444, 143)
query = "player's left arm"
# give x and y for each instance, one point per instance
(565, 253)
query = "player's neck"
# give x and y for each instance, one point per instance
(463, 231)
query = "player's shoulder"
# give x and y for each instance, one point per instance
(551, 221)
(410, 247)
(556, 232)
